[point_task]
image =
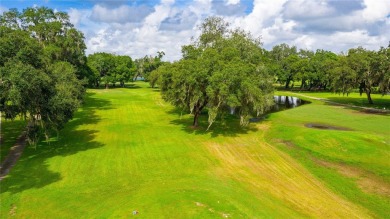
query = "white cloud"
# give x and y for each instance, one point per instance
(232, 2)
(169, 25)
(376, 10)
(3, 9)
(304, 42)
(121, 14)
(303, 9)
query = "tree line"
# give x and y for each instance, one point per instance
(359, 69)
(110, 69)
(227, 69)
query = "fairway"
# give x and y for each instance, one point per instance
(127, 150)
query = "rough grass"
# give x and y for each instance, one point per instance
(128, 150)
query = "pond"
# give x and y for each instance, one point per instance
(286, 102)
(282, 103)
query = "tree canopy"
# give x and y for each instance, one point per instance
(221, 69)
(109, 68)
(42, 59)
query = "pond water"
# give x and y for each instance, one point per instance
(286, 102)
(282, 103)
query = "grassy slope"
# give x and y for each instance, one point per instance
(128, 150)
(353, 163)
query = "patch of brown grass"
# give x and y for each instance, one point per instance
(265, 170)
(366, 181)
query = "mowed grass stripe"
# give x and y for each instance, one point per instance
(127, 150)
(266, 170)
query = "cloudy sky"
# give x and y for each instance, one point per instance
(143, 27)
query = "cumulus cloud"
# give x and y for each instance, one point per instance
(3, 9)
(121, 14)
(306, 9)
(230, 8)
(376, 10)
(168, 24)
(109, 3)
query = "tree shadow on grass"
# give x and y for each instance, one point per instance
(117, 86)
(32, 169)
(228, 126)
(10, 131)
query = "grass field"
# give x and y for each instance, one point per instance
(127, 150)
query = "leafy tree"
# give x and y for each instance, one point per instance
(60, 41)
(155, 76)
(41, 57)
(103, 68)
(362, 62)
(109, 68)
(283, 57)
(344, 77)
(221, 69)
(322, 63)
(382, 67)
(123, 69)
(147, 64)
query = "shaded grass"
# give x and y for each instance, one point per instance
(10, 131)
(127, 150)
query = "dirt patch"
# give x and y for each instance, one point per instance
(13, 156)
(12, 211)
(366, 181)
(199, 204)
(288, 144)
(326, 127)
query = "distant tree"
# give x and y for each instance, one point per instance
(123, 69)
(283, 57)
(381, 65)
(147, 64)
(155, 76)
(343, 76)
(362, 62)
(322, 63)
(103, 68)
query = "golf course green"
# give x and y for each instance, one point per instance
(127, 153)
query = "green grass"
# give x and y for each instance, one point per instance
(357, 155)
(126, 150)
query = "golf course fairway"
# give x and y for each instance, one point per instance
(127, 153)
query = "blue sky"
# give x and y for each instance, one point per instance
(139, 28)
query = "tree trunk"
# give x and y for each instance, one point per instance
(107, 85)
(302, 84)
(368, 92)
(196, 117)
(310, 86)
(287, 83)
